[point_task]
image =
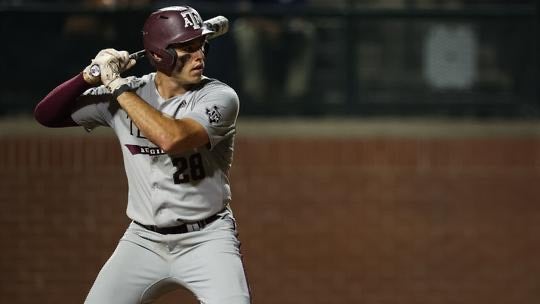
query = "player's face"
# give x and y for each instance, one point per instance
(190, 63)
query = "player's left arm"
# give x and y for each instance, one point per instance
(174, 136)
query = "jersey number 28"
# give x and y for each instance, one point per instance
(188, 169)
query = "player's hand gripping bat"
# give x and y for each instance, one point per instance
(218, 24)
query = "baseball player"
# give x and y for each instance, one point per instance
(176, 130)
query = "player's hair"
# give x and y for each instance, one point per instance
(167, 27)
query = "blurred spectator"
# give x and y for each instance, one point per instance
(275, 53)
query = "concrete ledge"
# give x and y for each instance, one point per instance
(327, 127)
(389, 127)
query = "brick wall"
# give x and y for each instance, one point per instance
(360, 220)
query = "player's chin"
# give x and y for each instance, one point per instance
(195, 77)
(196, 73)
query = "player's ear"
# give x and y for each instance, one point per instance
(156, 57)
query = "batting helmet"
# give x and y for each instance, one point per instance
(169, 26)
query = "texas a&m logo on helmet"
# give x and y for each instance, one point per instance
(192, 19)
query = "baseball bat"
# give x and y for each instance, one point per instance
(219, 25)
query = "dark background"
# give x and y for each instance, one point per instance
(368, 57)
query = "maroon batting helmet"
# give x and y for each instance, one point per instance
(169, 26)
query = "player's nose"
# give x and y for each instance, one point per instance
(199, 54)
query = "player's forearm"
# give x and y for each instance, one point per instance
(172, 135)
(54, 109)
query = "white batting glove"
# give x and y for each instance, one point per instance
(110, 76)
(111, 63)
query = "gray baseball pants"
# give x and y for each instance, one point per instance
(146, 265)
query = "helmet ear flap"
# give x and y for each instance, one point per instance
(174, 57)
(163, 60)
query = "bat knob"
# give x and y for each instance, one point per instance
(95, 70)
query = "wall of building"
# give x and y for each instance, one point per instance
(365, 219)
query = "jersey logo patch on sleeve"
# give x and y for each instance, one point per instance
(213, 114)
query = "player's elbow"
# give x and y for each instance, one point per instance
(42, 116)
(49, 119)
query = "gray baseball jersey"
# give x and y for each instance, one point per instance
(168, 190)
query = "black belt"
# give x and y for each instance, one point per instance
(189, 227)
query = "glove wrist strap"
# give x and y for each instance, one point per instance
(121, 89)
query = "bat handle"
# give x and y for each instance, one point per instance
(137, 55)
(96, 71)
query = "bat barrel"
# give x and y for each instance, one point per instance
(218, 24)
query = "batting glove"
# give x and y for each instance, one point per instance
(110, 63)
(119, 86)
